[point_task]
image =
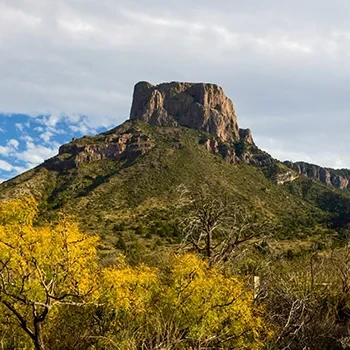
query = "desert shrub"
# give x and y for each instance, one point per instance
(308, 301)
(185, 305)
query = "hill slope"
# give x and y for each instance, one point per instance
(124, 183)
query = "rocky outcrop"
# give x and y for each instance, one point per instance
(288, 176)
(194, 105)
(227, 152)
(246, 136)
(113, 146)
(331, 177)
(126, 146)
(202, 107)
(256, 158)
(241, 151)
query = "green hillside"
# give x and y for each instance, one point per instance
(137, 198)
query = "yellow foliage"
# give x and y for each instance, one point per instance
(42, 266)
(128, 288)
(212, 305)
(18, 211)
(59, 257)
(188, 304)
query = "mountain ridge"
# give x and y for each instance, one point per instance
(338, 178)
(123, 182)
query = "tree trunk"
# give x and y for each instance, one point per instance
(209, 246)
(38, 341)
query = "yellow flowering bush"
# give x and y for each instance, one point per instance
(50, 279)
(186, 304)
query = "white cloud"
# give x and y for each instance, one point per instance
(162, 21)
(19, 126)
(82, 129)
(9, 148)
(76, 25)
(13, 143)
(6, 166)
(17, 17)
(46, 136)
(297, 46)
(68, 57)
(27, 138)
(4, 151)
(35, 154)
(52, 121)
(81, 126)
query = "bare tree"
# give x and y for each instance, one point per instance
(215, 225)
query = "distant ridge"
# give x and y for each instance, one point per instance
(338, 178)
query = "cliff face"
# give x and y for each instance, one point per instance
(117, 144)
(331, 177)
(198, 106)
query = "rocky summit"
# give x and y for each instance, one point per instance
(198, 106)
(194, 105)
(172, 108)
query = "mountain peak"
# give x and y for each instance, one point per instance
(198, 106)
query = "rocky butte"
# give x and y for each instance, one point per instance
(199, 106)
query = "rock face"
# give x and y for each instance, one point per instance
(246, 136)
(193, 105)
(331, 177)
(111, 145)
(115, 148)
(288, 176)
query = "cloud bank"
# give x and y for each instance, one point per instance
(284, 64)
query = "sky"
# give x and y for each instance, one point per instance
(68, 68)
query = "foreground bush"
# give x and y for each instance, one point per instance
(41, 268)
(187, 305)
(53, 295)
(184, 305)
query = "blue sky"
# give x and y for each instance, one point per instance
(284, 64)
(27, 141)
